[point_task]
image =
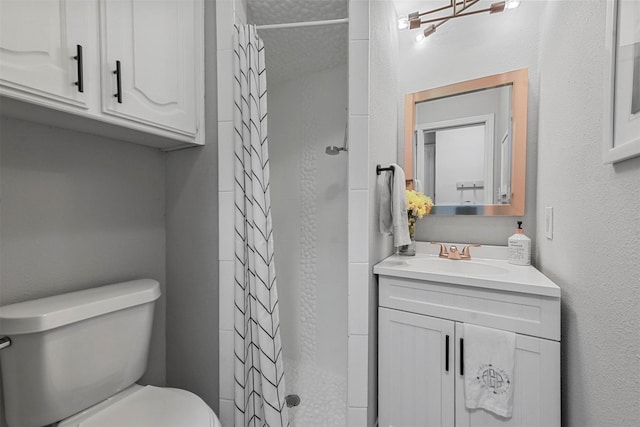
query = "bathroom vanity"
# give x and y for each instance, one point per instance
(424, 302)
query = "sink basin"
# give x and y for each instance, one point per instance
(456, 267)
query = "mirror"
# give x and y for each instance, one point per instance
(465, 145)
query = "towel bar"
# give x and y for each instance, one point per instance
(380, 169)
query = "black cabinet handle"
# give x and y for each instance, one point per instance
(461, 356)
(118, 74)
(446, 355)
(78, 57)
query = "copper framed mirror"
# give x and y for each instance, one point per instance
(465, 145)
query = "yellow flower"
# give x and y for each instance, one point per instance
(418, 205)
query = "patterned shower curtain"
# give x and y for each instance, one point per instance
(259, 371)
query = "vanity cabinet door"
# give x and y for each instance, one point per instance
(150, 62)
(416, 380)
(536, 398)
(38, 42)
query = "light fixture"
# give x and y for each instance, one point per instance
(426, 33)
(455, 9)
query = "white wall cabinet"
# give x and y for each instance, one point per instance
(39, 43)
(421, 344)
(152, 41)
(158, 45)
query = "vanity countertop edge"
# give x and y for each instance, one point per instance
(512, 278)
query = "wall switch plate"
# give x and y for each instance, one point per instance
(548, 222)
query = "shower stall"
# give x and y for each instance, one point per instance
(322, 276)
(308, 161)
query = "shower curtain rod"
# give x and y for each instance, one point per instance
(303, 24)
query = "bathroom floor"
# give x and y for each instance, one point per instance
(323, 395)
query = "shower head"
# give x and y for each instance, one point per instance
(333, 150)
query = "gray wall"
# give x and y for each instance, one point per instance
(192, 250)
(594, 255)
(78, 211)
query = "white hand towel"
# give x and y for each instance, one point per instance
(393, 206)
(489, 356)
(385, 220)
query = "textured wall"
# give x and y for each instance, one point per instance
(192, 250)
(465, 49)
(80, 211)
(288, 49)
(594, 255)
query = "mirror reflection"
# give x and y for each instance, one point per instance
(465, 145)
(463, 148)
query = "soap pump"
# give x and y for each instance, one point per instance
(519, 247)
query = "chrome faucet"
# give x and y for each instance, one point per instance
(453, 252)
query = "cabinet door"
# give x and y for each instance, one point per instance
(155, 43)
(536, 394)
(416, 381)
(38, 41)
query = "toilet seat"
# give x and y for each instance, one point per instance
(147, 406)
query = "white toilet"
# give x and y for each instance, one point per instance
(73, 359)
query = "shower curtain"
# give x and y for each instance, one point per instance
(259, 371)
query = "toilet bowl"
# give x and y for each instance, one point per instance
(73, 360)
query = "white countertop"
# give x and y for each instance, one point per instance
(488, 273)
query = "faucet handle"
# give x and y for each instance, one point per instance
(465, 252)
(454, 253)
(443, 249)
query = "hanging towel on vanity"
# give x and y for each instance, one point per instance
(393, 206)
(489, 356)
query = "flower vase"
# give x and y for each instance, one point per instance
(408, 250)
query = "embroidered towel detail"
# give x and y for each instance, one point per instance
(393, 206)
(489, 356)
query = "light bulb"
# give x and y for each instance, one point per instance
(420, 37)
(403, 23)
(512, 4)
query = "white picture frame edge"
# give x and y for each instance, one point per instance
(612, 153)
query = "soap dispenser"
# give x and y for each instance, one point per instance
(519, 247)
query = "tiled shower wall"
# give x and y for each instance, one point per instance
(227, 12)
(359, 392)
(309, 211)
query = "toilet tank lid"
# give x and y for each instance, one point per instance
(51, 312)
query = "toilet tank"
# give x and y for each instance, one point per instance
(71, 351)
